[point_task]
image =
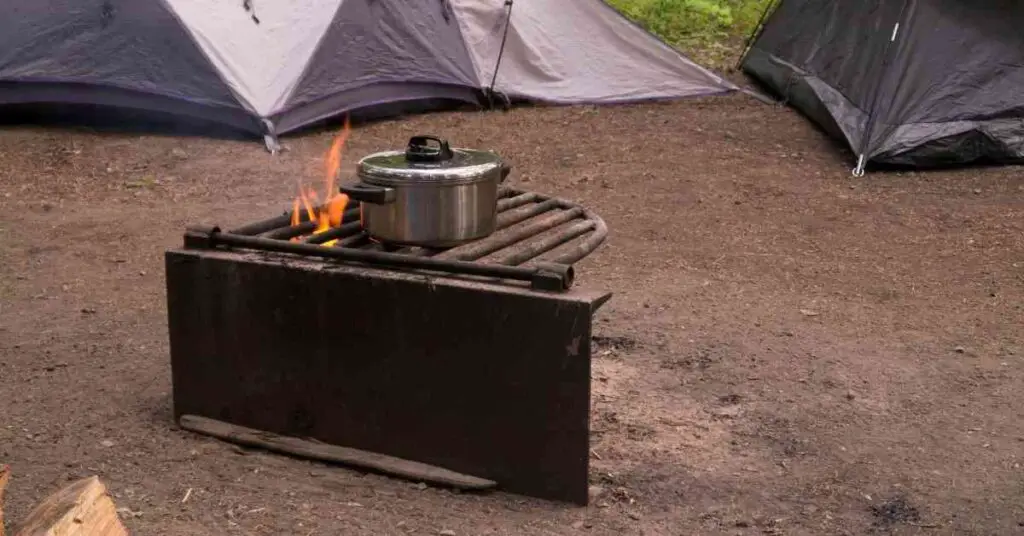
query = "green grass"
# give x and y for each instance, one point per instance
(710, 31)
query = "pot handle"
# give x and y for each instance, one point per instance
(368, 193)
(420, 150)
(506, 168)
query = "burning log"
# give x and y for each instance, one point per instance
(82, 508)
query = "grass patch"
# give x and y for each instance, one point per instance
(712, 32)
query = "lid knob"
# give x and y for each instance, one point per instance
(420, 150)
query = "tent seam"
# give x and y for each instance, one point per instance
(802, 72)
(287, 97)
(869, 128)
(242, 102)
(462, 39)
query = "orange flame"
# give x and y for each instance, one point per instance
(330, 213)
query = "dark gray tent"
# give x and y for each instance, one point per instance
(273, 66)
(907, 82)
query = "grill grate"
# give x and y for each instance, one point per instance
(538, 240)
(531, 228)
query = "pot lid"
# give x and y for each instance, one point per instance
(423, 161)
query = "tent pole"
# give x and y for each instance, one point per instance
(501, 52)
(873, 111)
(769, 8)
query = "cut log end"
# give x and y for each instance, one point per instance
(79, 509)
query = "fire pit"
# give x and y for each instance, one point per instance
(468, 366)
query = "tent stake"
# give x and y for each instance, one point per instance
(270, 138)
(861, 163)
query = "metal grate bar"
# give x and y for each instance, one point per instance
(520, 214)
(535, 248)
(531, 228)
(498, 241)
(274, 227)
(517, 201)
(264, 226)
(353, 241)
(289, 232)
(345, 231)
(588, 245)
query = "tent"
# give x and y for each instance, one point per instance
(920, 83)
(273, 66)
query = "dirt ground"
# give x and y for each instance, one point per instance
(789, 350)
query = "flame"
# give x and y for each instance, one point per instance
(329, 214)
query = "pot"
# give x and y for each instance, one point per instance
(428, 195)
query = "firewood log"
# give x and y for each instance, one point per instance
(82, 508)
(5, 475)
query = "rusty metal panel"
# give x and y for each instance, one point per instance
(479, 378)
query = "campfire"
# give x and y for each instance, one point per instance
(329, 214)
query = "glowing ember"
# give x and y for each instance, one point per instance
(330, 213)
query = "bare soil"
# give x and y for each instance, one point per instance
(789, 350)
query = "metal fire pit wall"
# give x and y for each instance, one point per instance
(486, 379)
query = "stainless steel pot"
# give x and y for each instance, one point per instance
(428, 195)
